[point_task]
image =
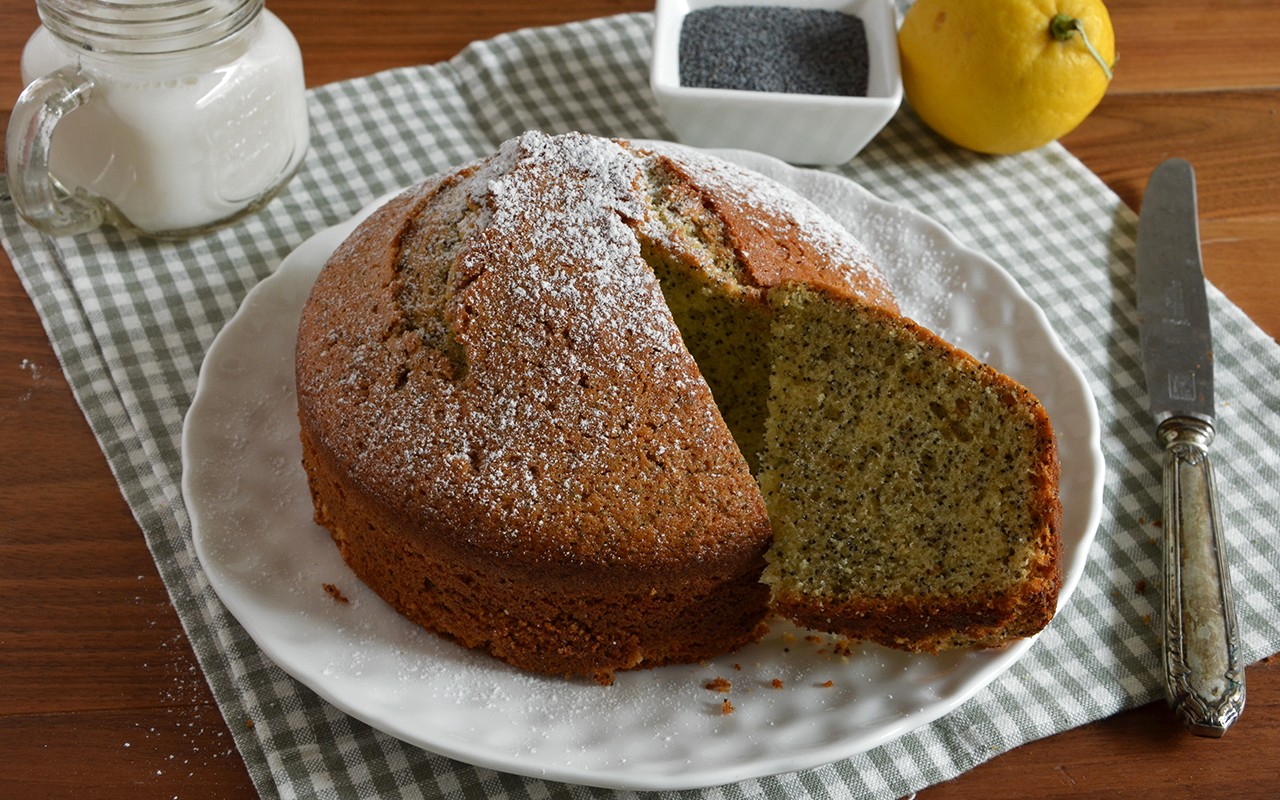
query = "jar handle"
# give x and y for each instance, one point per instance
(36, 194)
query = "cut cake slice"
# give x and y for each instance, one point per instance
(912, 489)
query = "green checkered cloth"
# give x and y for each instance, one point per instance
(131, 319)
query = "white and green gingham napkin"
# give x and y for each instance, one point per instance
(131, 319)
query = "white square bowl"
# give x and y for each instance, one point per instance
(799, 128)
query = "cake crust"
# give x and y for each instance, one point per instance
(507, 435)
(504, 433)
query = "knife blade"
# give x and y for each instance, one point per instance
(1204, 680)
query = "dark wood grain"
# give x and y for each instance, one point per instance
(100, 695)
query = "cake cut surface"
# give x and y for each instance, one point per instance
(534, 394)
(912, 490)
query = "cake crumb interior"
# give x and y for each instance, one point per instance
(888, 470)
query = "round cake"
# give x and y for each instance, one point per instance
(503, 428)
(592, 406)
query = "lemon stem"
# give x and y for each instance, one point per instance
(1064, 26)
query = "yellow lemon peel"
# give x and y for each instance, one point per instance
(1003, 76)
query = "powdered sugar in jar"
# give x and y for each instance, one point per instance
(167, 117)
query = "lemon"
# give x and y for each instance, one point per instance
(1003, 76)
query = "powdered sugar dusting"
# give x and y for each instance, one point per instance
(770, 199)
(583, 291)
(571, 386)
(518, 373)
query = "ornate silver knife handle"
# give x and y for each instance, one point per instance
(1204, 681)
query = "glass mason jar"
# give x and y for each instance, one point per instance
(167, 117)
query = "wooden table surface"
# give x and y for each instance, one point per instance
(100, 695)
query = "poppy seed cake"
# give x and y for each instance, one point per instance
(534, 392)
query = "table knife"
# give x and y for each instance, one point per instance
(1204, 680)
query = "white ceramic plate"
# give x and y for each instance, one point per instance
(655, 729)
